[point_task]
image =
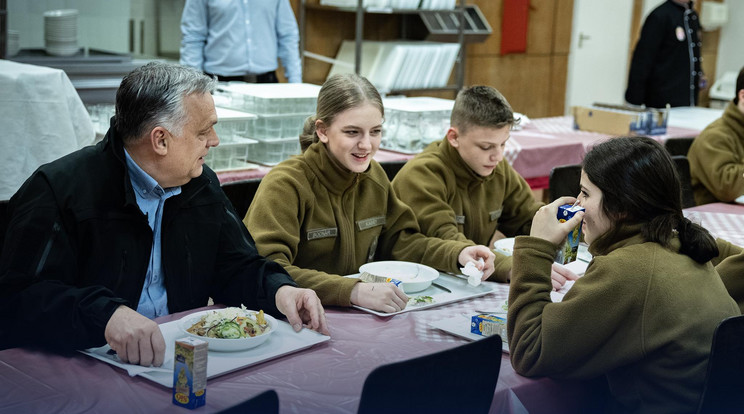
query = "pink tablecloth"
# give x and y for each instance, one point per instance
(327, 378)
(721, 219)
(549, 142)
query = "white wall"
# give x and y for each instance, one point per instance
(730, 50)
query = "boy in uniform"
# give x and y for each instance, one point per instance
(460, 188)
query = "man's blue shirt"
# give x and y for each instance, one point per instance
(239, 37)
(151, 199)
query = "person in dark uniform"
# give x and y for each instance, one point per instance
(667, 67)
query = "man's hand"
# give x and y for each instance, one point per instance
(383, 297)
(301, 306)
(559, 275)
(473, 253)
(135, 338)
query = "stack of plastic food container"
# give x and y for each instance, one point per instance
(280, 109)
(413, 123)
(232, 128)
(100, 115)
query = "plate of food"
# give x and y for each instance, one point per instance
(229, 329)
(504, 246)
(414, 277)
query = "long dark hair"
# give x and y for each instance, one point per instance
(640, 185)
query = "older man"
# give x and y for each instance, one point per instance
(108, 237)
(717, 154)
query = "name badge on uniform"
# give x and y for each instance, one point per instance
(680, 32)
(460, 219)
(322, 233)
(371, 222)
(494, 215)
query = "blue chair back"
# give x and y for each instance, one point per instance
(724, 382)
(457, 380)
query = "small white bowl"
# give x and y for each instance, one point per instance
(228, 345)
(504, 246)
(415, 277)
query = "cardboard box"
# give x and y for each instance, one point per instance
(190, 373)
(487, 325)
(620, 121)
(570, 247)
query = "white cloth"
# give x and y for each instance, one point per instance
(42, 119)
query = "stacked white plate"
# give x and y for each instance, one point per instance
(437, 4)
(13, 43)
(398, 65)
(60, 32)
(394, 4)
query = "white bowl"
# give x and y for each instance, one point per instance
(228, 345)
(415, 277)
(504, 246)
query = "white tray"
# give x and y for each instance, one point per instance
(460, 288)
(460, 326)
(282, 342)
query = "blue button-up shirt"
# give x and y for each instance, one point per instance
(239, 37)
(150, 199)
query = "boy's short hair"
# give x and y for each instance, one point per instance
(481, 106)
(739, 86)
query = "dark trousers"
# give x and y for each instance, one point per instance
(268, 77)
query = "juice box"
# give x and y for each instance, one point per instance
(487, 325)
(369, 277)
(190, 373)
(570, 248)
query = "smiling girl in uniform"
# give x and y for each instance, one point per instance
(331, 209)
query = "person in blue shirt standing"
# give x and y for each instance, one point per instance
(240, 40)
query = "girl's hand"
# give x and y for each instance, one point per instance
(546, 226)
(383, 297)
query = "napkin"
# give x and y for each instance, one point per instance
(104, 353)
(471, 271)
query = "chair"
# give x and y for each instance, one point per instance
(457, 380)
(241, 194)
(3, 221)
(678, 146)
(683, 169)
(392, 167)
(265, 403)
(724, 381)
(564, 181)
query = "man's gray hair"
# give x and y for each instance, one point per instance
(152, 95)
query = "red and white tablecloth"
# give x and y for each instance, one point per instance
(722, 220)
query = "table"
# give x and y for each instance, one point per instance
(693, 117)
(327, 378)
(549, 142)
(722, 220)
(42, 119)
(533, 150)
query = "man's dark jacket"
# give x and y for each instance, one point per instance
(667, 64)
(78, 246)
